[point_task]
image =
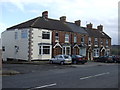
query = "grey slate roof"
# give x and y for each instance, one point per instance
(76, 28)
(42, 23)
(96, 33)
(52, 24)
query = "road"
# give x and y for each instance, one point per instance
(79, 76)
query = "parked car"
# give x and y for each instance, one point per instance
(116, 59)
(61, 59)
(78, 59)
(104, 59)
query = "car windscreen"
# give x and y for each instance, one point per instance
(66, 56)
(79, 56)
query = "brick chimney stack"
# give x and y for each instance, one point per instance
(63, 18)
(89, 26)
(45, 14)
(78, 22)
(100, 27)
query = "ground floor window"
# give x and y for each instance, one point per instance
(96, 53)
(44, 50)
(66, 50)
(83, 51)
(107, 53)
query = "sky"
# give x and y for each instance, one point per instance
(104, 12)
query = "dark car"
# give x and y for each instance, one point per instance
(116, 59)
(78, 59)
(104, 59)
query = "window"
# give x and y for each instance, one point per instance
(82, 39)
(60, 57)
(40, 50)
(96, 52)
(66, 50)
(44, 50)
(45, 35)
(101, 42)
(83, 51)
(56, 36)
(66, 37)
(3, 48)
(106, 42)
(75, 39)
(89, 41)
(96, 41)
(16, 35)
(24, 34)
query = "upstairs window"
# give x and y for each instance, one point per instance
(89, 41)
(16, 35)
(24, 34)
(101, 42)
(66, 37)
(45, 35)
(106, 42)
(75, 39)
(3, 48)
(56, 36)
(82, 39)
(96, 41)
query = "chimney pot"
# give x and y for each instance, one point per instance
(89, 26)
(45, 14)
(100, 27)
(63, 18)
(78, 22)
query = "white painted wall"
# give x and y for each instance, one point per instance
(8, 40)
(37, 38)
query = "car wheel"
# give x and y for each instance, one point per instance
(51, 62)
(61, 63)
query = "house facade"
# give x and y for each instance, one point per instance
(43, 38)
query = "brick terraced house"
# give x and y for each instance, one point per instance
(42, 38)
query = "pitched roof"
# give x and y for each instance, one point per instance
(40, 22)
(96, 33)
(76, 28)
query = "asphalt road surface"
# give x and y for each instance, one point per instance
(78, 76)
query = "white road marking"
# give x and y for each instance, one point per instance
(43, 86)
(94, 75)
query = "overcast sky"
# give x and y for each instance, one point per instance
(97, 12)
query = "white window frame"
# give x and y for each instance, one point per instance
(89, 41)
(57, 36)
(106, 41)
(101, 41)
(65, 50)
(41, 49)
(96, 52)
(47, 33)
(96, 41)
(66, 38)
(82, 39)
(24, 34)
(75, 39)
